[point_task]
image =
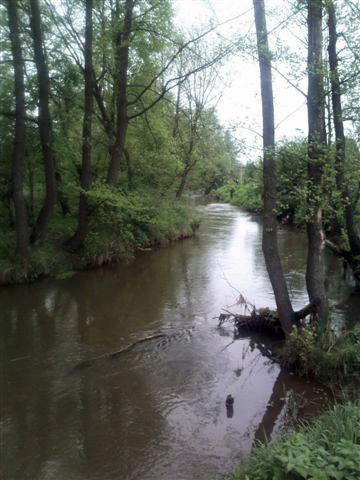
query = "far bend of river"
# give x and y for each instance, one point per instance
(157, 412)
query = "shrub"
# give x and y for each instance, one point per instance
(125, 222)
(327, 449)
(247, 195)
(321, 353)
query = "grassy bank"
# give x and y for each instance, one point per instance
(117, 232)
(328, 448)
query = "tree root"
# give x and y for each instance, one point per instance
(265, 320)
(262, 319)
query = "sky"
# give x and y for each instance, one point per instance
(239, 107)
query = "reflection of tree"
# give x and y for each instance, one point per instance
(292, 396)
(54, 417)
(273, 410)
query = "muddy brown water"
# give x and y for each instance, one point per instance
(157, 412)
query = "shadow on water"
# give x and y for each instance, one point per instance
(159, 411)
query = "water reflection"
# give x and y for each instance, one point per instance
(159, 409)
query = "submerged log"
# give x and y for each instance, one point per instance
(133, 345)
(117, 353)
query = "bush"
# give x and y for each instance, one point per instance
(124, 223)
(328, 448)
(120, 224)
(321, 353)
(247, 195)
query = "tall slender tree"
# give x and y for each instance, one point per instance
(315, 270)
(21, 223)
(269, 242)
(122, 64)
(85, 178)
(354, 240)
(45, 129)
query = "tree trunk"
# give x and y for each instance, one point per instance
(353, 237)
(21, 222)
(315, 271)
(211, 186)
(42, 223)
(63, 201)
(31, 188)
(189, 164)
(85, 178)
(177, 109)
(130, 173)
(269, 243)
(181, 187)
(122, 62)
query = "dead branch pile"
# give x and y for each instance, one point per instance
(262, 319)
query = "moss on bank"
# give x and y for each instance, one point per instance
(326, 449)
(116, 234)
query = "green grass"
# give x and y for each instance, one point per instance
(326, 449)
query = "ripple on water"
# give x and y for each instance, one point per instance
(158, 411)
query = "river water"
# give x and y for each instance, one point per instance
(157, 412)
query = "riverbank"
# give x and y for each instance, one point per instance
(105, 244)
(327, 448)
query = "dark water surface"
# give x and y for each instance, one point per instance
(157, 412)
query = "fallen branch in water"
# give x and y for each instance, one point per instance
(133, 345)
(349, 259)
(112, 355)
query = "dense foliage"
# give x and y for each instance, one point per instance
(329, 448)
(126, 132)
(292, 184)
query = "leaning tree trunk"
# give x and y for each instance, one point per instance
(42, 223)
(270, 246)
(189, 164)
(315, 270)
(354, 240)
(122, 55)
(85, 179)
(183, 178)
(21, 223)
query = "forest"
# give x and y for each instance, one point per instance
(107, 117)
(110, 127)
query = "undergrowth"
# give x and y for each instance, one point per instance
(247, 196)
(120, 225)
(326, 449)
(323, 354)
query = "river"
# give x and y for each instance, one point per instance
(157, 412)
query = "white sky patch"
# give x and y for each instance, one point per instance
(240, 105)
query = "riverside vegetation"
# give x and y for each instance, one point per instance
(320, 198)
(106, 120)
(109, 118)
(328, 448)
